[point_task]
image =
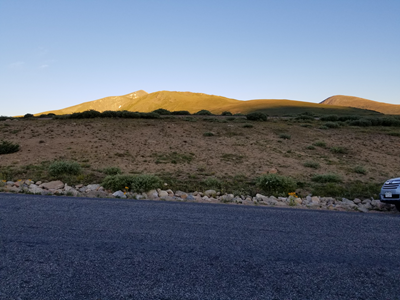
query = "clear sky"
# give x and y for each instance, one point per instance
(58, 53)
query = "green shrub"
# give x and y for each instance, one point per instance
(162, 111)
(305, 117)
(310, 147)
(137, 183)
(86, 114)
(361, 123)
(274, 184)
(331, 118)
(203, 112)
(226, 113)
(181, 113)
(145, 182)
(394, 133)
(321, 144)
(208, 134)
(339, 150)
(323, 127)
(257, 116)
(7, 147)
(348, 190)
(311, 164)
(62, 167)
(348, 118)
(212, 183)
(28, 116)
(325, 178)
(150, 115)
(360, 170)
(331, 125)
(231, 118)
(306, 125)
(285, 136)
(248, 126)
(112, 171)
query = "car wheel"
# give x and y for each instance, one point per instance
(398, 206)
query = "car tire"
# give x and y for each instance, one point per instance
(398, 206)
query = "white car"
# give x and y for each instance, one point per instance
(390, 192)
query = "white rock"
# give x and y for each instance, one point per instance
(52, 185)
(210, 193)
(163, 194)
(153, 194)
(119, 194)
(93, 187)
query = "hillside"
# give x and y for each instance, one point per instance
(193, 102)
(349, 101)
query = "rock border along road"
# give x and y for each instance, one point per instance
(83, 248)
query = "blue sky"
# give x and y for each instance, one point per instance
(60, 53)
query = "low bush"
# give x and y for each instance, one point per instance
(348, 118)
(339, 150)
(311, 164)
(360, 170)
(348, 190)
(7, 147)
(28, 116)
(208, 134)
(150, 115)
(248, 126)
(394, 133)
(325, 178)
(331, 118)
(226, 113)
(257, 116)
(273, 184)
(86, 114)
(63, 167)
(162, 111)
(112, 171)
(204, 112)
(331, 125)
(212, 183)
(321, 144)
(285, 136)
(181, 113)
(137, 183)
(310, 147)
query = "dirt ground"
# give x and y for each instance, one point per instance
(198, 147)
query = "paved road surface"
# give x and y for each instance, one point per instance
(77, 248)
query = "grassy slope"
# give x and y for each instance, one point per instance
(350, 101)
(193, 102)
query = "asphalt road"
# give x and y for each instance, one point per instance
(79, 248)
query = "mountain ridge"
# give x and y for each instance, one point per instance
(357, 102)
(193, 102)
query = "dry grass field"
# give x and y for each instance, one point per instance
(188, 151)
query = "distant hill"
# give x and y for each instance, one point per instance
(193, 102)
(349, 101)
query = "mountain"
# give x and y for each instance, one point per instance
(107, 103)
(349, 101)
(193, 102)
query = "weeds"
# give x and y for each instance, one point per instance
(285, 136)
(325, 178)
(137, 183)
(360, 170)
(320, 144)
(112, 171)
(311, 164)
(7, 147)
(274, 184)
(339, 150)
(58, 168)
